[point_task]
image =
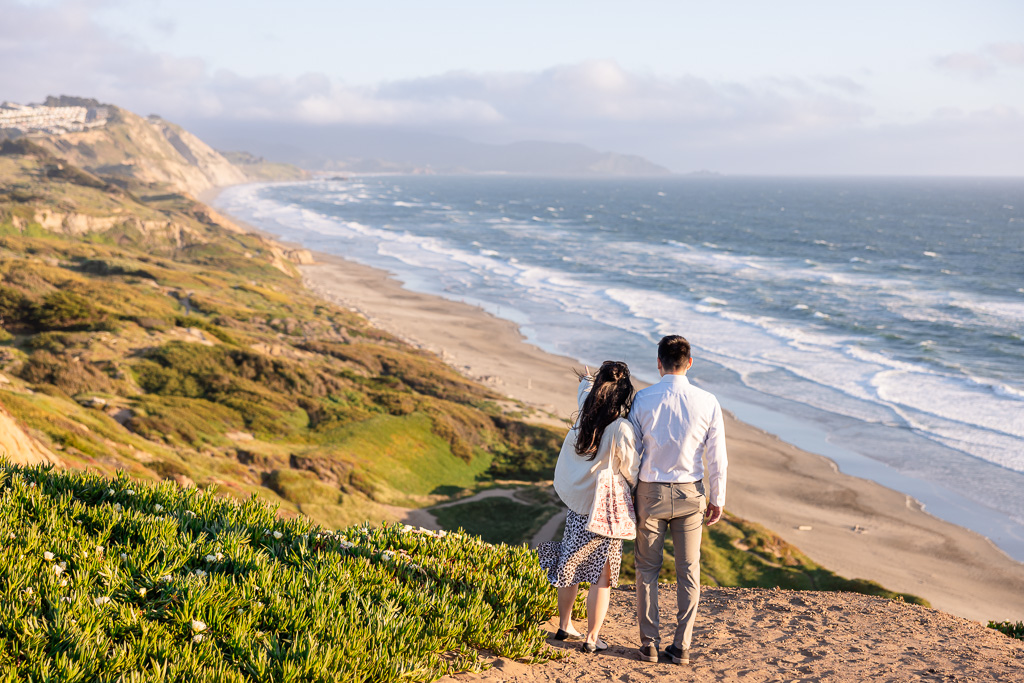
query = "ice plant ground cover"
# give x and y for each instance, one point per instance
(114, 579)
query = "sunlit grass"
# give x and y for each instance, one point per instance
(104, 578)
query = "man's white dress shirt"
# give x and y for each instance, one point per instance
(678, 425)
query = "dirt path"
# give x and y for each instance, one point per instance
(748, 635)
(549, 530)
(423, 517)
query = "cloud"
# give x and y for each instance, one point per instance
(984, 62)
(1010, 54)
(600, 92)
(767, 125)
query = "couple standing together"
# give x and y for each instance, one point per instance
(657, 440)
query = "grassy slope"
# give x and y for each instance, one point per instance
(106, 578)
(218, 366)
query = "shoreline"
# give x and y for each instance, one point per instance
(859, 529)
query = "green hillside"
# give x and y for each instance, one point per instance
(143, 333)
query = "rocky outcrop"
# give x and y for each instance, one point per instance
(149, 150)
(82, 224)
(20, 448)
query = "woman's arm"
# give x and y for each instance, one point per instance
(627, 457)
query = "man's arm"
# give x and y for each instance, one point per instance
(634, 419)
(718, 463)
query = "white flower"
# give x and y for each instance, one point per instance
(57, 569)
(48, 556)
(12, 535)
(197, 638)
(124, 557)
(129, 492)
(117, 506)
(387, 555)
(211, 558)
(66, 599)
(406, 528)
(100, 549)
(142, 592)
(200, 573)
(110, 492)
(28, 591)
(189, 513)
(101, 600)
(345, 544)
(158, 508)
(442, 534)
(85, 553)
(198, 626)
(166, 578)
(278, 535)
(63, 584)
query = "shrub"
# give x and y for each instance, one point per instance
(15, 307)
(64, 310)
(70, 376)
(1010, 628)
(190, 420)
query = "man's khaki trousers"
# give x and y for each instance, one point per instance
(660, 507)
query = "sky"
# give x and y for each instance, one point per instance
(790, 87)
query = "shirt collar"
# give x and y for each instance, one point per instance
(674, 379)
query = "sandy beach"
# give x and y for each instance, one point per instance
(858, 528)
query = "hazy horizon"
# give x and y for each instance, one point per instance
(738, 88)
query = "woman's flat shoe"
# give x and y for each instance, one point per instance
(601, 646)
(567, 635)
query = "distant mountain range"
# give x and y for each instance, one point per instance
(373, 149)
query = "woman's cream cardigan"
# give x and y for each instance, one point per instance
(576, 477)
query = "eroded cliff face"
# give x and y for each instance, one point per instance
(149, 150)
(20, 448)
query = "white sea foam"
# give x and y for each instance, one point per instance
(809, 363)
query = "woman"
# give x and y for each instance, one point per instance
(601, 437)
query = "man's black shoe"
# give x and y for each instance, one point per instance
(678, 655)
(648, 653)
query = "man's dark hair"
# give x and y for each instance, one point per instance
(673, 352)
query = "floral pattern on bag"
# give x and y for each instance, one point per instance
(612, 514)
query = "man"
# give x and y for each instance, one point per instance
(677, 425)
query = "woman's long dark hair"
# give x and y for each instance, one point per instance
(609, 399)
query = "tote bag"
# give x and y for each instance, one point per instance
(612, 514)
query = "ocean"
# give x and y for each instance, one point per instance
(879, 322)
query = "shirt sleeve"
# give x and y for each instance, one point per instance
(625, 452)
(586, 384)
(717, 460)
(634, 421)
